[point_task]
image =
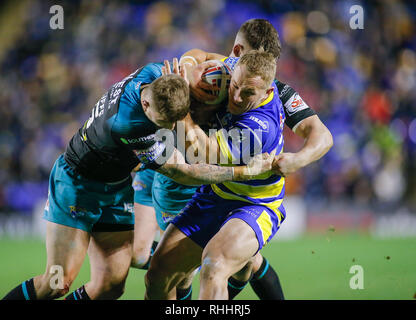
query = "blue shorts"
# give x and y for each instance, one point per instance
(169, 198)
(142, 185)
(92, 206)
(206, 213)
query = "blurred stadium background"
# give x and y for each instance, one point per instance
(357, 205)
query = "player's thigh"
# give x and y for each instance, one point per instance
(66, 247)
(175, 254)
(110, 256)
(231, 247)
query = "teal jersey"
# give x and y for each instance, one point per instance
(118, 135)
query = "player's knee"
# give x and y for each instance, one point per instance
(213, 268)
(52, 287)
(140, 258)
(155, 277)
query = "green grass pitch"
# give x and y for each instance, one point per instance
(313, 267)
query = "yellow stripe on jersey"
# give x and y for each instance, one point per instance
(226, 195)
(225, 150)
(266, 225)
(274, 205)
(268, 99)
(257, 192)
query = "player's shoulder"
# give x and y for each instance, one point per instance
(257, 120)
(285, 91)
(150, 72)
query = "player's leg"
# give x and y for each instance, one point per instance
(110, 256)
(111, 246)
(225, 254)
(184, 288)
(265, 281)
(238, 281)
(169, 199)
(70, 212)
(175, 258)
(262, 278)
(66, 248)
(146, 226)
(229, 250)
(145, 231)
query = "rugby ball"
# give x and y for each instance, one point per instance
(220, 76)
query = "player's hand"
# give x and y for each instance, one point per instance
(260, 163)
(200, 90)
(285, 164)
(176, 70)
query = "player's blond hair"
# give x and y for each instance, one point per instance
(170, 94)
(260, 63)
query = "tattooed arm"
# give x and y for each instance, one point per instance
(199, 174)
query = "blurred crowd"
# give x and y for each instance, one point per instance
(362, 84)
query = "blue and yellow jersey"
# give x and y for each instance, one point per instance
(243, 136)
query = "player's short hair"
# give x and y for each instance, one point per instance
(260, 33)
(259, 63)
(170, 95)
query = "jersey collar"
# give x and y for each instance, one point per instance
(268, 99)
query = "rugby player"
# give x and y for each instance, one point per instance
(90, 200)
(253, 34)
(227, 223)
(300, 118)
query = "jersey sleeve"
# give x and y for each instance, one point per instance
(295, 107)
(154, 156)
(244, 139)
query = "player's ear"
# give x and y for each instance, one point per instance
(269, 91)
(145, 105)
(237, 49)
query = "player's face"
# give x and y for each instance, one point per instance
(245, 92)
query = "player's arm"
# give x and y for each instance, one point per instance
(197, 56)
(199, 145)
(318, 141)
(195, 61)
(200, 174)
(306, 124)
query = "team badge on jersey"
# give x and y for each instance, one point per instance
(138, 185)
(294, 104)
(150, 154)
(76, 212)
(167, 217)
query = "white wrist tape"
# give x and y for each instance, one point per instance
(188, 57)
